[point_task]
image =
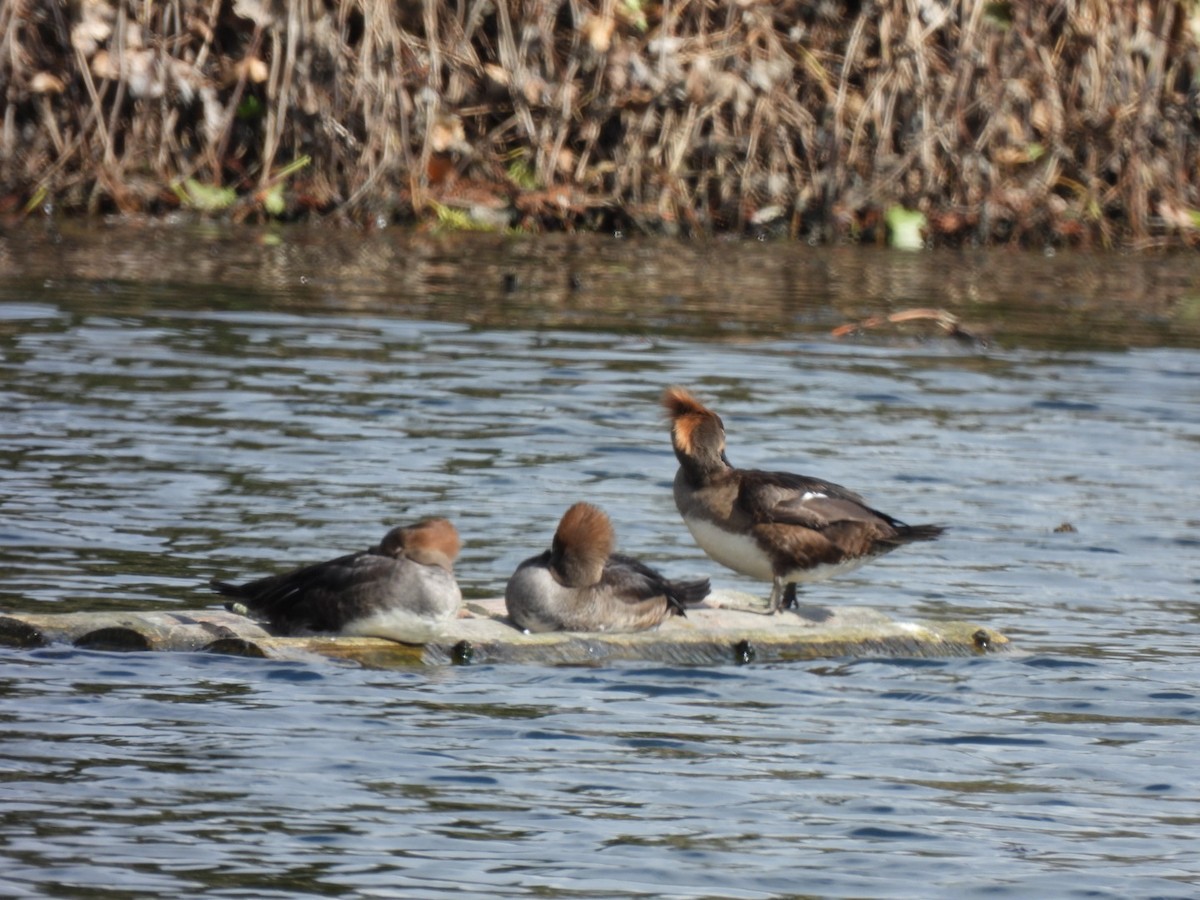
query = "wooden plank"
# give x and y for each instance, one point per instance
(728, 627)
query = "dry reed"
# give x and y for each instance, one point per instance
(1067, 121)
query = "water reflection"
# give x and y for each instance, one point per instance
(727, 290)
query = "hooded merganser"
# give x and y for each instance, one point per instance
(579, 584)
(775, 526)
(402, 589)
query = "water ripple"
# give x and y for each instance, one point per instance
(155, 444)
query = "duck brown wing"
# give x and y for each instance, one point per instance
(822, 512)
(784, 499)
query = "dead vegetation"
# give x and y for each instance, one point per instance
(1059, 122)
(944, 321)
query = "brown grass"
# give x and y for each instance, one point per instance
(1040, 123)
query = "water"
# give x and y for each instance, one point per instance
(216, 406)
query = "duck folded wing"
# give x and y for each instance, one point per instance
(635, 582)
(807, 502)
(632, 579)
(313, 586)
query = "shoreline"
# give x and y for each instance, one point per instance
(978, 124)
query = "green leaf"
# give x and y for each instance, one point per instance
(273, 201)
(904, 227)
(293, 167)
(636, 14)
(450, 219)
(36, 200)
(522, 175)
(999, 14)
(250, 108)
(205, 197)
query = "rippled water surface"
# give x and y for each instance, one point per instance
(178, 408)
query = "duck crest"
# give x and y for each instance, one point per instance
(697, 433)
(430, 542)
(582, 544)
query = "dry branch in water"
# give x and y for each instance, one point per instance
(948, 323)
(1069, 121)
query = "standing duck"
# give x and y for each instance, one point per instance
(402, 589)
(774, 526)
(579, 584)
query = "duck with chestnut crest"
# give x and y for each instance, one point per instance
(402, 589)
(774, 526)
(579, 584)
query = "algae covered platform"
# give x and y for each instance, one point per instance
(728, 628)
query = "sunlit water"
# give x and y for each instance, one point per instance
(158, 434)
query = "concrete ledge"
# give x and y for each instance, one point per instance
(728, 628)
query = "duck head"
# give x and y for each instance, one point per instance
(582, 544)
(429, 542)
(697, 433)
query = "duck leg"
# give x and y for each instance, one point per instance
(789, 597)
(775, 601)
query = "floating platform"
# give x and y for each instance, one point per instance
(729, 627)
